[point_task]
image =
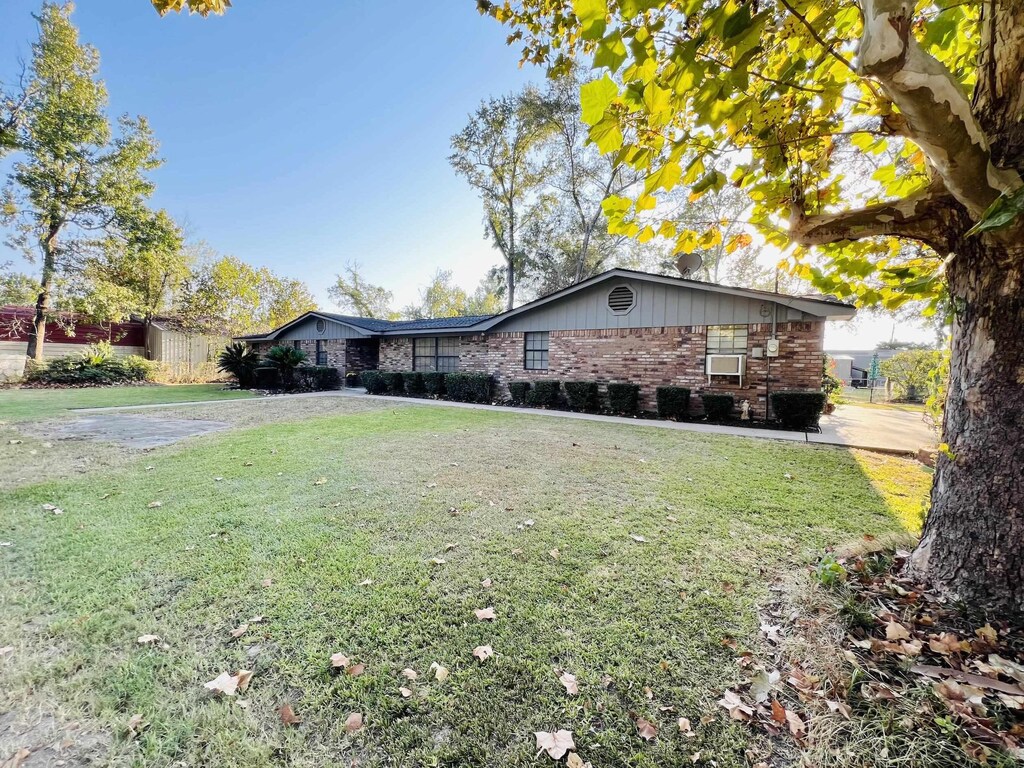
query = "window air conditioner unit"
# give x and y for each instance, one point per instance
(725, 365)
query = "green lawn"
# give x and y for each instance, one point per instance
(34, 404)
(305, 512)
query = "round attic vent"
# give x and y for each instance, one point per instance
(621, 299)
(321, 326)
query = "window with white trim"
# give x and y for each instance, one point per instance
(727, 340)
(435, 353)
(535, 351)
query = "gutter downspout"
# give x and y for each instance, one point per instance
(768, 374)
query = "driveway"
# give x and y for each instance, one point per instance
(886, 429)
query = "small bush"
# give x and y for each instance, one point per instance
(519, 391)
(433, 383)
(374, 382)
(395, 382)
(414, 384)
(583, 396)
(319, 378)
(718, 407)
(624, 398)
(353, 379)
(673, 402)
(266, 377)
(239, 360)
(545, 394)
(286, 360)
(469, 387)
(97, 366)
(798, 410)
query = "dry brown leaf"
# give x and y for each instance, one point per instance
(406, 693)
(554, 553)
(440, 673)
(267, 582)
(148, 639)
(485, 614)
(154, 504)
(796, 725)
(438, 560)
(684, 727)
(288, 716)
(339, 660)
(568, 679)
(737, 709)
(240, 630)
(638, 539)
(256, 619)
(575, 761)
(483, 652)
(225, 683)
(778, 712)
(486, 583)
(646, 729)
(355, 670)
(555, 744)
(409, 673)
(15, 760)
(135, 724)
(841, 707)
(896, 631)
(945, 643)
(242, 678)
(353, 722)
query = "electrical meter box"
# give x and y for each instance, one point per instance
(771, 348)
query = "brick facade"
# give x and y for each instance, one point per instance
(650, 357)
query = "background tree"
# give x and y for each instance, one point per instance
(75, 181)
(909, 372)
(356, 296)
(494, 153)
(18, 290)
(762, 96)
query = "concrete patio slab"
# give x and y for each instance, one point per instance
(137, 432)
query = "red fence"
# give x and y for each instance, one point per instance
(16, 322)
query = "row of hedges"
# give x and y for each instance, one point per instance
(97, 366)
(582, 396)
(310, 378)
(463, 387)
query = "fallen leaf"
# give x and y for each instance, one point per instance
(737, 709)
(135, 724)
(762, 683)
(339, 660)
(240, 630)
(355, 670)
(672, 518)
(555, 744)
(636, 538)
(896, 631)
(7, 649)
(841, 707)
(225, 683)
(256, 619)
(684, 727)
(320, 481)
(988, 634)
(406, 693)
(440, 673)
(267, 582)
(485, 614)
(438, 560)
(365, 582)
(945, 643)
(148, 639)
(353, 722)
(568, 679)
(778, 712)
(575, 761)
(242, 678)
(483, 652)
(646, 729)
(15, 760)
(288, 716)
(796, 725)
(554, 553)
(154, 504)
(409, 673)
(486, 583)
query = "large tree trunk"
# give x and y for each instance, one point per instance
(973, 542)
(37, 336)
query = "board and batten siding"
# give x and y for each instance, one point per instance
(306, 331)
(657, 306)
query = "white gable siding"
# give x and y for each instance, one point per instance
(657, 305)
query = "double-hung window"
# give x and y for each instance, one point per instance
(535, 351)
(727, 339)
(321, 353)
(435, 353)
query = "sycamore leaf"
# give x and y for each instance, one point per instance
(242, 678)
(240, 630)
(485, 614)
(409, 674)
(483, 652)
(568, 679)
(796, 725)
(555, 744)
(595, 97)
(339, 660)
(406, 692)
(440, 673)
(778, 712)
(646, 729)
(225, 683)
(288, 716)
(762, 683)
(737, 709)
(486, 583)
(353, 722)
(554, 553)
(684, 727)
(896, 631)
(355, 670)
(575, 761)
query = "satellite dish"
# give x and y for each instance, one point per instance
(688, 263)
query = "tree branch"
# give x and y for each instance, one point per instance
(936, 109)
(923, 216)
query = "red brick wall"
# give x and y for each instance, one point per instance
(650, 357)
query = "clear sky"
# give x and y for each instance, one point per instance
(303, 135)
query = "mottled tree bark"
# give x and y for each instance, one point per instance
(37, 336)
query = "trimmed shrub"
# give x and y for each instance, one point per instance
(718, 407)
(624, 398)
(353, 379)
(97, 366)
(319, 378)
(583, 396)
(374, 382)
(673, 402)
(798, 410)
(469, 387)
(414, 384)
(545, 394)
(433, 383)
(395, 382)
(520, 392)
(266, 377)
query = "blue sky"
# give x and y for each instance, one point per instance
(304, 135)
(304, 138)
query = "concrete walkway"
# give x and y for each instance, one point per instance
(873, 429)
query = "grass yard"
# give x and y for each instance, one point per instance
(33, 404)
(333, 529)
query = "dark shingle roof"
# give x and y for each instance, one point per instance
(383, 326)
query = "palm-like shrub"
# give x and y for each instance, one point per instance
(239, 361)
(286, 360)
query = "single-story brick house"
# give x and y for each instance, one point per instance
(621, 325)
